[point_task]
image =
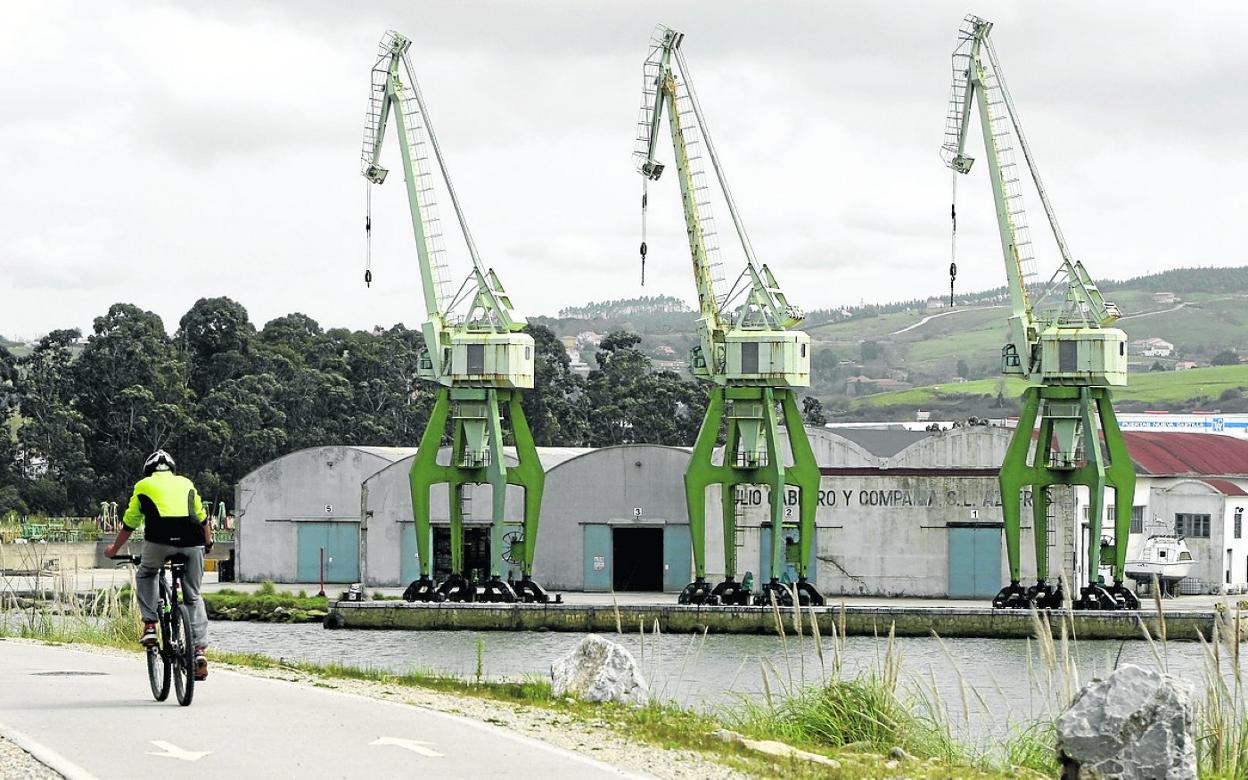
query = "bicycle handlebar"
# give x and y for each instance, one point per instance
(134, 559)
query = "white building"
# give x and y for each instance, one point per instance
(1152, 347)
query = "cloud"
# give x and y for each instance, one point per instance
(220, 143)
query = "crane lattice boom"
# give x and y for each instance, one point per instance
(752, 309)
(1058, 328)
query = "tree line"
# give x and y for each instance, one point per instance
(225, 397)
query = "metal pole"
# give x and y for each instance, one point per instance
(322, 592)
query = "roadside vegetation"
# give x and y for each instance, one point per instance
(266, 605)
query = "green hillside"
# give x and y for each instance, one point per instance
(1201, 311)
(1156, 387)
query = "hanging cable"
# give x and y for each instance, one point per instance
(368, 233)
(953, 241)
(644, 183)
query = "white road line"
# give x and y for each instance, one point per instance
(409, 744)
(46, 755)
(173, 751)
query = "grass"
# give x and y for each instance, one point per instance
(266, 605)
(1152, 386)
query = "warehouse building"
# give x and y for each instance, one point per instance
(615, 519)
(901, 513)
(293, 507)
(384, 501)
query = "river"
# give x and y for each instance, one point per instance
(985, 685)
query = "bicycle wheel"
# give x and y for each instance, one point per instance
(158, 665)
(183, 655)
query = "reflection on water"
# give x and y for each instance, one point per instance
(982, 682)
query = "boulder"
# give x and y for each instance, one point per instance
(1136, 723)
(599, 670)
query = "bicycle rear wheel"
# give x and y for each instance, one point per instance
(158, 668)
(183, 655)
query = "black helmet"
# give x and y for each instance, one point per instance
(158, 461)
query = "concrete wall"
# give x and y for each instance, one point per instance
(605, 486)
(313, 485)
(52, 556)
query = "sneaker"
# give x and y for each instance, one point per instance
(201, 664)
(148, 638)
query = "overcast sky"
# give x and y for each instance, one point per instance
(159, 153)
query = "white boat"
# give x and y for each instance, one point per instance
(1165, 557)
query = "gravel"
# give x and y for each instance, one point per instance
(17, 764)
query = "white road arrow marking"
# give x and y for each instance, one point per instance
(409, 744)
(173, 751)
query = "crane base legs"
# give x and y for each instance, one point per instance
(1078, 443)
(752, 456)
(475, 418)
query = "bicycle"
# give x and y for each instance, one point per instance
(175, 648)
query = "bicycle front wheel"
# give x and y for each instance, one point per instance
(183, 655)
(158, 670)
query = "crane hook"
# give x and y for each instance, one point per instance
(368, 234)
(953, 238)
(643, 232)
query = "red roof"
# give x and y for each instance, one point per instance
(1225, 487)
(1172, 454)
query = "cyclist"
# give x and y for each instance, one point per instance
(169, 506)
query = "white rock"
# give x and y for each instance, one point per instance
(598, 669)
(1136, 723)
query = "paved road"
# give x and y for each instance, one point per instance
(91, 716)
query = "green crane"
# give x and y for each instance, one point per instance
(747, 348)
(475, 351)
(1059, 337)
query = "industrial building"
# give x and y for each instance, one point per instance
(901, 513)
(291, 508)
(388, 535)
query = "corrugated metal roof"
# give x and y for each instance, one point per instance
(1225, 487)
(1172, 454)
(881, 442)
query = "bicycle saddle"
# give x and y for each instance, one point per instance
(178, 561)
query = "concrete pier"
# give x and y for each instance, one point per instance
(874, 620)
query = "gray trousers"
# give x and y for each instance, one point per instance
(154, 556)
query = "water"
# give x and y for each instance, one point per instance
(984, 684)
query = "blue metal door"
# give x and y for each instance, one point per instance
(312, 539)
(341, 543)
(677, 557)
(342, 555)
(974, 562)
(792, 537)
(409, 561)
(598, 558)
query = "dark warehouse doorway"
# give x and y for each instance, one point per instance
(637, 560)
(476, 552)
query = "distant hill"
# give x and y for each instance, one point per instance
(923, 343)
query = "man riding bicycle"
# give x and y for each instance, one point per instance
(169, 507)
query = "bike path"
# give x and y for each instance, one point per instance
(93, 716)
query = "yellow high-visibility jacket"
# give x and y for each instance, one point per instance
(169, 506)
